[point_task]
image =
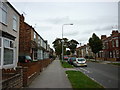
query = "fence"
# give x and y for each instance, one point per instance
(33, 69)
(12, 78)
(23, 75)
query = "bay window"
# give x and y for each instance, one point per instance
(117, 43)
(0, 51)
(34, 36)
(8, 52)
(113, 44)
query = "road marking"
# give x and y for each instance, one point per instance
(85, 70)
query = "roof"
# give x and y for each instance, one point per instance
(13, 8)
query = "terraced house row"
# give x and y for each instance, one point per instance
(110, 50)
(18, 38)
(31, 43)
(111, 47)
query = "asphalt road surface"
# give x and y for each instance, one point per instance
(104, 74)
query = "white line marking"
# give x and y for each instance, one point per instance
(85, 70)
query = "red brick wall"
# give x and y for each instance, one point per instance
(110, 47)
(12, 78)
(24, 37)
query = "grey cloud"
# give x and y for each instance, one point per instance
(44, 28)
(87, 21)
(71, 33)
(104, 28)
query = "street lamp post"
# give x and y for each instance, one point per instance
(63, 40)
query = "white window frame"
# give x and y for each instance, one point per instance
(34, 35)
(1, 61)
(117, 43)
(8, 65)
(39, 40)
(113, 43)
(3, 10)
(16, 20)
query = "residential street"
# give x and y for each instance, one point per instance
(106, 75)
(52, 77)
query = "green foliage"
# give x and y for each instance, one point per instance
(72, 45)
(57, 44)
(95, 44)
(68, 52)
(66, 65)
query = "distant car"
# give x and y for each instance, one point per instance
(65, 58)
(71, 59)
(80, 62)
(24, 59)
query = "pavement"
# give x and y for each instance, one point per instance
(52, 77)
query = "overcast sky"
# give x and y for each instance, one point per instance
(87, 17)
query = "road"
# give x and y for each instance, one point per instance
(105, 74)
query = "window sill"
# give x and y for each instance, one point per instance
(4, 24)
(15, 30)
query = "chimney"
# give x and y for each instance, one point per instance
(22, 18)
(103, 37)
(114, 32)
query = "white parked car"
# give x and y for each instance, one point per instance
(80, 62)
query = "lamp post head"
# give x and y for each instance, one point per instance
(68, 24)
(71, 24)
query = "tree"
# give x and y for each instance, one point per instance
(68, 52)
(95, 43)
(72, 44)
(57, 44)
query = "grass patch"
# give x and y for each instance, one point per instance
(66, 65)
(118, 64)
(80, 80)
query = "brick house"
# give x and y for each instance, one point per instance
(9, 35)
(111, 47)
(83, 51)
(31, 43)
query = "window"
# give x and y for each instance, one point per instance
(39, 40)
(35, 54)
(8, 52)
(11, 44)
(0, 42)
(0, 51)
(6, 43)
(117, 54)
(113, 44)
(3, 16)
(8, 56)
(114, 55)
(14, 22)
(117, 43)
(0, 56)
(34, 35)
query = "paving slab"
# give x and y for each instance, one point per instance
(52, 77)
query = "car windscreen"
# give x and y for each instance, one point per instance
(81, 59)
(28, 57)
